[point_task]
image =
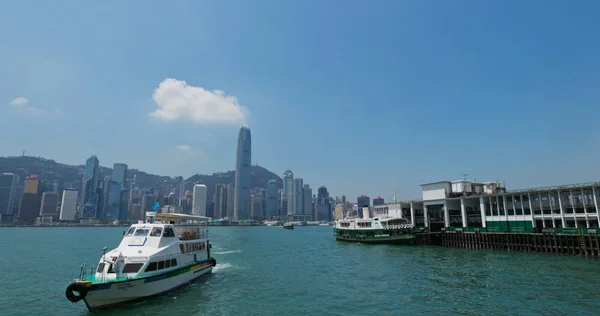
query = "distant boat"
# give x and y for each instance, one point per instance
(390, 228)
(288, 226)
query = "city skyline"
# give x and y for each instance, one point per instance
(376, 102)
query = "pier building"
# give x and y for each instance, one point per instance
(488, 207)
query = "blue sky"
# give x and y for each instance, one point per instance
(371, 97)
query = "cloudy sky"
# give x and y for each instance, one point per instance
(369, 97)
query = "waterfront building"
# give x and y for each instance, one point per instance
(288, 192)
(323, 209)
(230, 196)
(241, 203)
(298, 200)
(68, 205)
(363, 201)
(199, 200)
(307, 205)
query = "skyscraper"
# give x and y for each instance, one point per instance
(272, 199)
(30, 206)
(323, 209)
(298, 200)
(8, 184)
(49, 204)
(89, 197)
(288, 192)
(307, 200)
(68, 207)
(230, 194)
(241, 203)
(199, 200)
(220, 200)
(115, 194)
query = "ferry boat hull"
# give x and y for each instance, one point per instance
(394, 240)
(108, 295)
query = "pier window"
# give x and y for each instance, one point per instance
(132, 267)
(151, 267)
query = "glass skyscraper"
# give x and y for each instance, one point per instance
(241, 202)
(115, 209)
(89, 196)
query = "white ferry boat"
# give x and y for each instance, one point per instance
(164, 253)
(387, 226)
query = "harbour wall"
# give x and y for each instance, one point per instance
(584, 243)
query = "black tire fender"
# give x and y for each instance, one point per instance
(76, 288)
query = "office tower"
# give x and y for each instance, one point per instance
(288, 192)
(287, 185)
(378, 201)
(30, 205)
(271, 194)
(8, 185)
(343, 199)
(307, 200)
(363, 201)
(230, 194)
(241, 199)
(220, 200)
(114, 208)
(68, 206)
(89, 199)
(323, 208)
(199, 200)
(49, 204)
(298, 200)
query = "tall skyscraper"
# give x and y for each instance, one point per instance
(307, 200)
(298, 200)
(378, 201)
(256, 206)
(272, 199)
(288, 192)
(8, 185)
(241, 203)
(220, 200)
(323, 208)
(288, 175)
(363, 201)
(89, 192)
(68, 206)
(199, 200)
(114, 208)
(149, 197)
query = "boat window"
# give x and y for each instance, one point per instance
(100, 267)
(130, 232)
(181, 248)
(167, 264)
(110, 268)
(142, 231)
(132, 267)
(161, 265)
(156, 231)
(151, 267)
(173, 262)
(169, 232)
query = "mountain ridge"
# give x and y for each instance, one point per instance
(51, 170)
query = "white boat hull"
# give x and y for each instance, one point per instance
(107, 295)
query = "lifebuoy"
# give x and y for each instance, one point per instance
(76, 288)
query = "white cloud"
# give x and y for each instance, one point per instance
(184, 147)
(23, 104)
(176, 100)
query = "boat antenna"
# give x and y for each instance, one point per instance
(464, 175)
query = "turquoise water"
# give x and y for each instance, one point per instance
(272, 271)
